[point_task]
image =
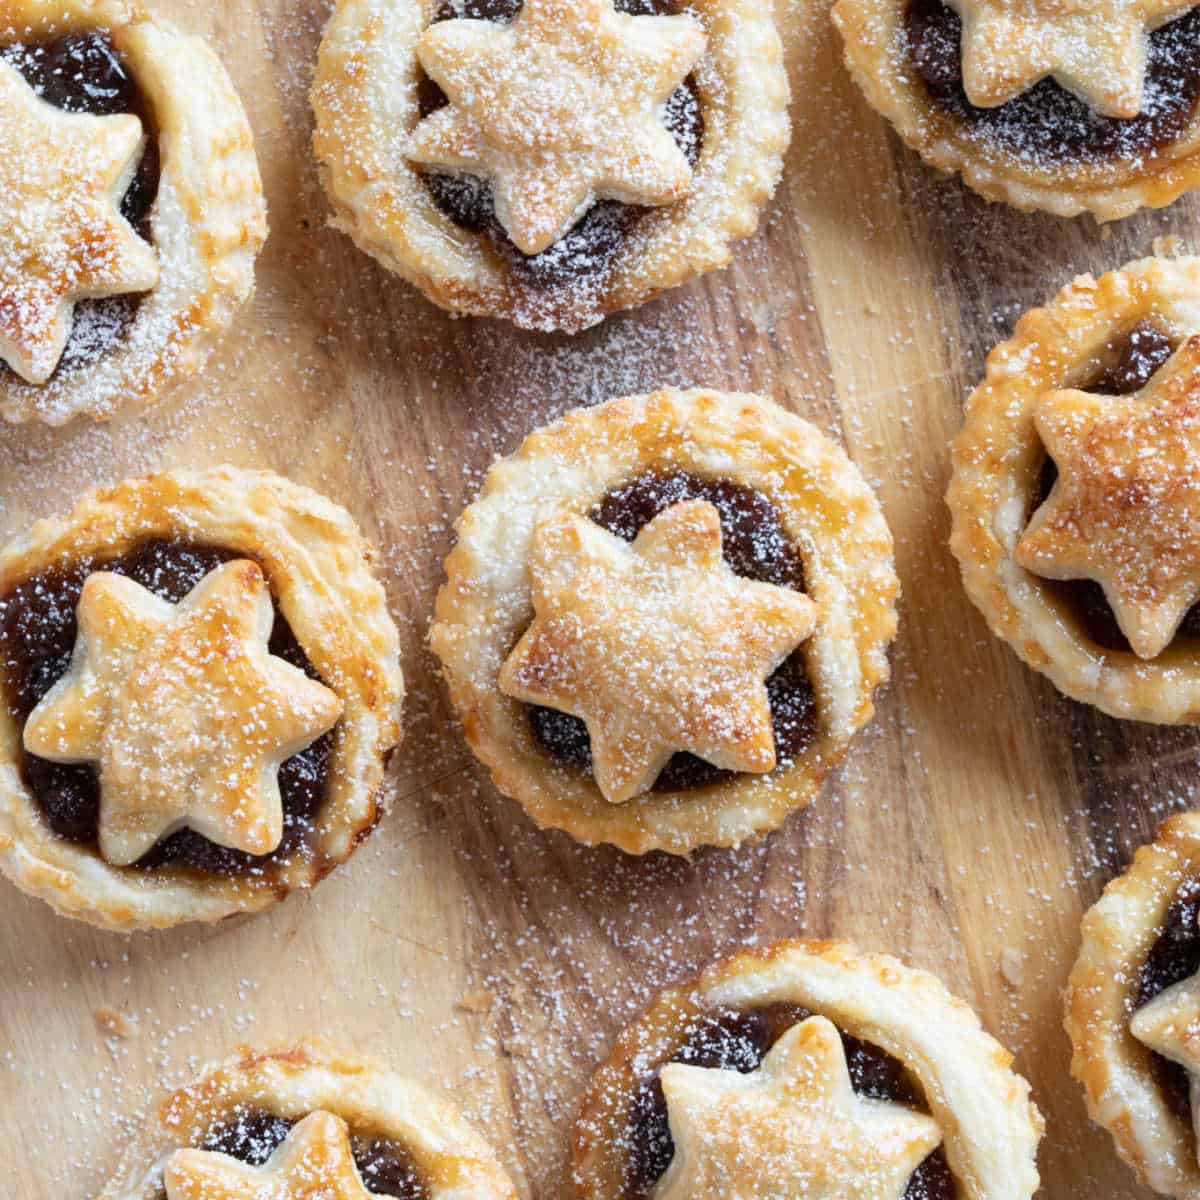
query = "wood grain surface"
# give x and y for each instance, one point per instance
(973, 823)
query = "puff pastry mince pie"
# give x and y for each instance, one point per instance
(1076, 491)
(1133, 1010)
(550, 161)
(306, 1122)
(131, 207)
(199, 686)
(807, 1069)
(665, 619)
(1071, 108)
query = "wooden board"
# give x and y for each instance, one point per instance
(972, 825)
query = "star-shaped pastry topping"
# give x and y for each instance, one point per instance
(314, 1162)
(1094, 48)
(559, 109)
(62, 177)
(793, 1128)
(1170, 1025)
(657, 645)
(1125, 510)
(184, 709)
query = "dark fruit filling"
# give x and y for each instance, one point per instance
(1133, 360)
(252, 1135)
(1174, 957)
(739, 1041)
(589, 249)
(85, 73)
(757, 547)
(37, 635)
(1047, 123)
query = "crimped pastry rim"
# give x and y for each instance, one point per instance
(871, 37)
(1118, 931)
(847, 550)
(993, 457)
(295, 1079)
(208, 220)
(322, 574)
(991, 1127)
(380, 202)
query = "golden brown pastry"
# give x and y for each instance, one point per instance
(306, 1122)
(666, 617)
(807, 1069)
(130, 204)
(200, 687)
(551, 161)
(1075, 495)
(1133, 1010)
(1066, 108)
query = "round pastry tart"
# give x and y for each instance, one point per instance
(665, 618)
(1133, 1010)
(199, 688)
(1076, 491)
(552, 161)
(807, 1069)
(306, 1122)
(131, 208)
(1069, 108)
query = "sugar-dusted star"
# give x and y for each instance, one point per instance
(658, 646)
(62, 238)
(559, 109)
(314, 1162)
(184, 709)
(1094, 48)
(1170, 1025)
(793, 1128)
(1126, 506)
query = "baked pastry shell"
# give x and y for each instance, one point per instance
(321, 574)
(873, 40)
(828, 511)
(997, 457)
(208, 220)
(292, 1081)
(1116, 1070)
(364, 98)
(991, 1127)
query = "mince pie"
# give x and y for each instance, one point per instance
(1069, 108)
(306, 1122)
(550, 161)
(807, 1069)
(1133, 1010)
(199, 687)
(665, 618)
(131, 208)
(1076, 491)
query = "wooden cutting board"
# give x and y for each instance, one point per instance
(974, 822)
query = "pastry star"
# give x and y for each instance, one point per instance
(1126, 506)
(559, 109)
(792, 1128)
(62, 177)
(657, 645)
(314, 1162)
(1170, 1025)
(184, 709)
(1094, 48)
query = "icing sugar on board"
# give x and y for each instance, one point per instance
(973, 823)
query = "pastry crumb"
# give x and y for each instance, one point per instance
(112, 1024)
(478, 1001)
(1012, 966)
